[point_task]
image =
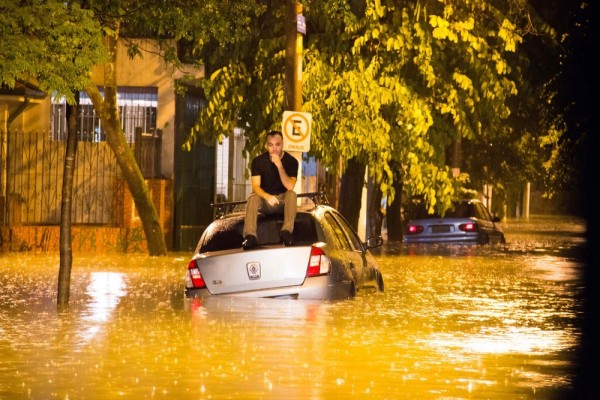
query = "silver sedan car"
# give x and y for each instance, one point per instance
(326, 260)
(468, 222)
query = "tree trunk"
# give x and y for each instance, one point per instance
(66, 249)
(353, 181)
(375, 214)
(394, 215)
(109, 114)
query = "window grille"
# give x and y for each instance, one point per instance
(137, 109)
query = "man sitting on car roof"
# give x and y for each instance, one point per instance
(274, 175)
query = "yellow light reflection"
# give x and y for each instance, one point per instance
(104, 290)
(504, 341)
(555, 268)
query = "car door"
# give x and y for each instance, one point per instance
(351, 245)
(486, 223)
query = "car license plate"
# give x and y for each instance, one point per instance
(440, 229)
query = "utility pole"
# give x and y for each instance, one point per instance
(294, 28)
(293, 57)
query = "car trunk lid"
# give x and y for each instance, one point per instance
(262, 268)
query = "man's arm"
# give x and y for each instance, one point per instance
(272, 200)
(288, 181)
(256, 187)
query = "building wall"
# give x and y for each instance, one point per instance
(146, 71)
(35, 117)
(152, 71)
(149, 70)
(128, 238)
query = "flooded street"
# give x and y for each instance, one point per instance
(498, 322)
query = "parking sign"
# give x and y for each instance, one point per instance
(296, 131)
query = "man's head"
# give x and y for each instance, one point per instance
(275, 143)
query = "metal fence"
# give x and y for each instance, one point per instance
(32, 174)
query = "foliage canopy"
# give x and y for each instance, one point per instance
(53, 43)
(390, 84)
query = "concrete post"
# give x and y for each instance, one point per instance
(526, 198)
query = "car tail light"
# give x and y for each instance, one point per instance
(414, 229)
(193, 278)
(469, 227)
(318, 262)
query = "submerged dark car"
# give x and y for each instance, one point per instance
(326, 260)
(467, 222)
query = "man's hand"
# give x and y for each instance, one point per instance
(272, 200)
(275, 159)
(288, 181)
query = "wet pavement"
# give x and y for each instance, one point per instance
(501, 322)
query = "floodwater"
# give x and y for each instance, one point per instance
(499, 322)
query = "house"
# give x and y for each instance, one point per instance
(156, 120)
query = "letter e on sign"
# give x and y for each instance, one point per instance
(296, 131)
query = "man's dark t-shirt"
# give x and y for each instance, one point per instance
(269, 176)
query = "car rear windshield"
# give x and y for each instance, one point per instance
(226, 234)
(460, 210)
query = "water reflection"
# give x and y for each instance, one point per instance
(555, 268)
(104, 291)
(260, 348)
(508, 340)
(260, 311)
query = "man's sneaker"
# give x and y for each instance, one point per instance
(286, 238)
(250, 242)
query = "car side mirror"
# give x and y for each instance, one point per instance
(496, 219)
(373, 242)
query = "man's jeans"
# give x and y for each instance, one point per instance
(287, 205)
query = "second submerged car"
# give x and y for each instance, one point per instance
(467, 222)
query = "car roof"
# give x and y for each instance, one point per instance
(457, 211)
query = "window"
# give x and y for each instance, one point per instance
(483, 213)
(224, 234)
(349, 232)
(137, 108)
(339, 239)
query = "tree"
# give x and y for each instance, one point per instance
(66, 248)
(421, 75)
(180, 29)
(55, 44)
(109, 114)
(390, 86)
(569, 102)
(534, 145)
